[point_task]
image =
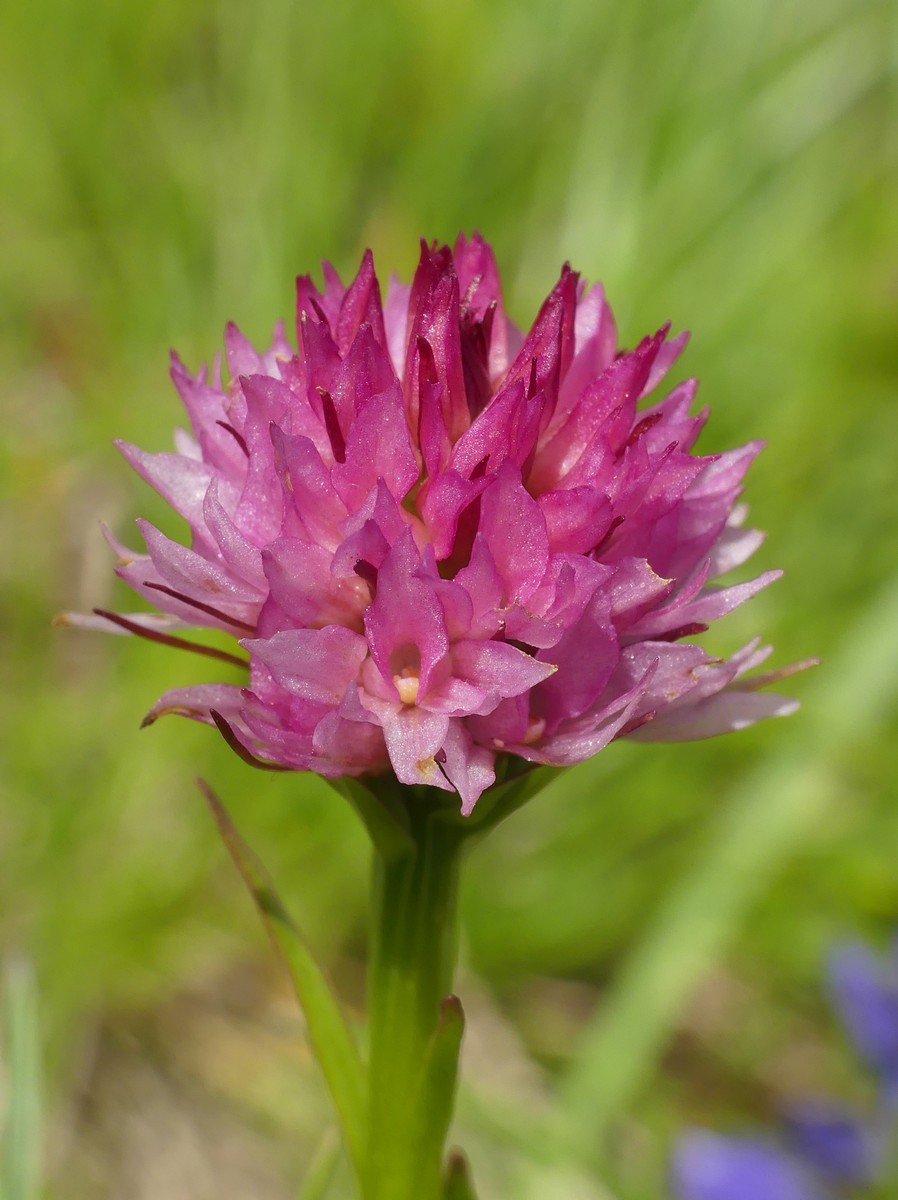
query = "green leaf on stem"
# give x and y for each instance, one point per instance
(329, 1034)
(382, 815)
(439, 1077)
(457, 1183)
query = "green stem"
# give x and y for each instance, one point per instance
(413, 955)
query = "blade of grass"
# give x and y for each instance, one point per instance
(20, 1168)
(322, 1169)
(328, 1032)
(765, 819)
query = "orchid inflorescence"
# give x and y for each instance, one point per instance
(439, 542)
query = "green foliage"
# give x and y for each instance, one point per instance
(22, 1135)
(730, 167)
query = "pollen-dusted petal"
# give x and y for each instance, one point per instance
(414, 736)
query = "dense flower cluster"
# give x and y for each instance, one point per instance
(439, 540)
(829, 1149)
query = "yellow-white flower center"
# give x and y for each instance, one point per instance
(407, 684)
(535, 731)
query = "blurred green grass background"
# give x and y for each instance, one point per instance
(647, 936)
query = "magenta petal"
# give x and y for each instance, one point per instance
(197, 701)
(498, 667)
(580, 678)
(549, 346)
(302, 584)
(414, 737)
(181, 482)
(576, 520)
(241, 557)
(514, 531)
(405, 624)
(308, 481)
(709, 605)
(350, 747)
(468, 767)
(506, 429)
(396, 323)
(574, 742)
(315, 664)
(734, 547)
(310, 301)
(668, 354)
(190, 573)
(442, 504)
(595, 341)
(481, 290)
(723, 713)
(361, 305)
(365, 372)
(378, 447)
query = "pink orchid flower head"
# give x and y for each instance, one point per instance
(437, 541)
